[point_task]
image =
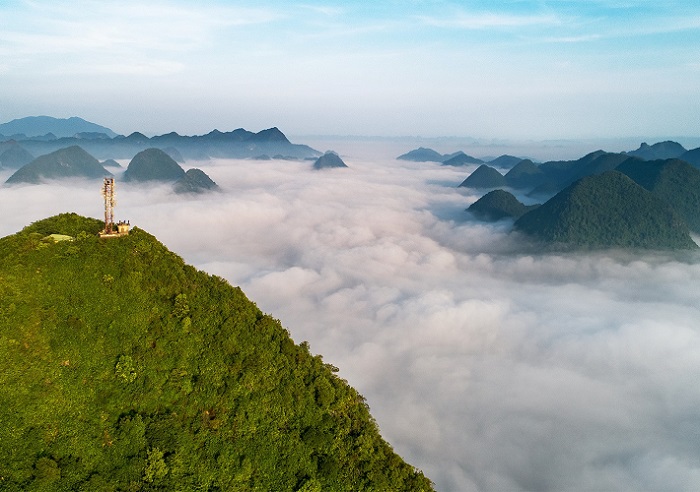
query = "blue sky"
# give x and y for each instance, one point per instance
(510, 69)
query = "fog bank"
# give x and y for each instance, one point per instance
(486, 367)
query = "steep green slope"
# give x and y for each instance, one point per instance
(607, 210)
(125, 369)
(674, 181)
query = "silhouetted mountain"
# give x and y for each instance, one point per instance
(35, 126)
(269, 135)
(525, 174)
(153, 165)
(505, 161)
(661, 150)
(137, 138)
(329, 160)
(674, 181)
(693, 157)
(238, 143)
(72, 162)
(14, 156)
(484, 177)
(195, 181)
(499, 204)
(607, 211)
(460, 159)
(422, 154)
(91, 136)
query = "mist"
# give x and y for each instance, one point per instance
(487, 365)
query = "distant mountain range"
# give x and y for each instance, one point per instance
(458, 158)
(39, 126)
(601, 200)
(42, 134)
(148, 166)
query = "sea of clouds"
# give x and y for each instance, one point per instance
(488, 365)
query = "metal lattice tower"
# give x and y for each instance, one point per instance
(110, 202)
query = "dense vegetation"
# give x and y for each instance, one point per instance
(674, 181)
(123, 368)
(608, 210)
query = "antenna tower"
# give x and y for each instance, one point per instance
(110, 202)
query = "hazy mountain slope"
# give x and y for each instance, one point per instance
(660, 150)
(484, 176)
(33, 126)
(153, 165)
(71, 162)
(607, 210)
(693, 157)
(125, 369)
(505, 161)
(195, 181)
(422, 154)
(674, 181)
(14, 156)
(460, 159)
(525, 174)
(499, 204)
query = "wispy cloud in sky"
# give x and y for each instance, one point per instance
(465, 20)
(247, 60)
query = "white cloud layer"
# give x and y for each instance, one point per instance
(487, 368)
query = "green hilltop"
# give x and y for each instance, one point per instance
(124, 369)
(608, 210)
(153, 165)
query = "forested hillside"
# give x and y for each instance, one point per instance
(123, 368)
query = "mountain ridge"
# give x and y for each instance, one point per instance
(37, 126)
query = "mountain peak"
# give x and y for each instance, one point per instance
(270, 135)
(606, 211)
